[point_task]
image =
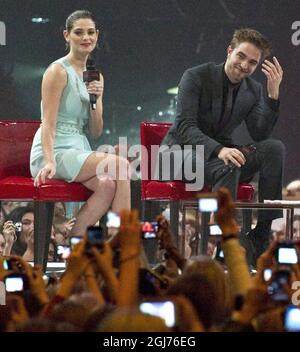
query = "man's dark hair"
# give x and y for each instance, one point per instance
(254, 37)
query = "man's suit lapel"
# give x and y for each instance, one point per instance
(217, 93)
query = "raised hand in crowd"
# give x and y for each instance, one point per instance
(166, 242)
(265, 261)
(226, 213)
(91, 280)
(29, 240)
(69, 225)
(18, 311)
(130, 246)
(9, 234)
(76, 265)
(186, 315)
(34, 276)
(104, 264)
(234, 253)
(3, 272)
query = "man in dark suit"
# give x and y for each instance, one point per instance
(213, 100)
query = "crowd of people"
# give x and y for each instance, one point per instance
(107, 285)
(108, 288)
(17, 230)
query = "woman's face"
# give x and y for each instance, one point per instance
(27, 225)
(59, 209)
(51, 253)
(83, 36)
(2, 244)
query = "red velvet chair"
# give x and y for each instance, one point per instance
(174, 192)
(16, 183)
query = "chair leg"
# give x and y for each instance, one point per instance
(149, 210)
(204, 232)
(244, 239)
(181, 243)
(174, 219)
(197, 230)
(43, 217)
(247, 220)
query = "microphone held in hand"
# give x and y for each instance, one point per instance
(91, 74)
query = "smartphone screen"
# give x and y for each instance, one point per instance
(14, 284)
(7, 264)
(63, 251)
(276, 288)
(149, 230)
(287, 255)
(164, 310)
(95, 236)
(113, 220)
(267, 274)
(74, 240)
(220, 255)
(292, 318)
(215, 230)
(208, 204)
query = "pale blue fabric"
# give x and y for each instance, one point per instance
(71, 147)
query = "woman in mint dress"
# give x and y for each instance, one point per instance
(60, 147)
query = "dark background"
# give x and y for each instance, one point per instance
(145, 45)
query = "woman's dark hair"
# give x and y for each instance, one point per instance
(77, 15)
(15, 216)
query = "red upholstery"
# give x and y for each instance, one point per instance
(15, 180)
(18, 187)
(152, 133)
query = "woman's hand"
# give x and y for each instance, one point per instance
(48, 171)
(9, 233)
(96, 87)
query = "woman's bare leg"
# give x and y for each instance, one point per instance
(109, 191)
(115, 166)
(96, 206)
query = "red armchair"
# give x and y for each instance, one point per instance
(174, 192)
(16, 183)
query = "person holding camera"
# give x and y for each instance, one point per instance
(9, 237)
(18, 231)
(72, 108)
(213, 100)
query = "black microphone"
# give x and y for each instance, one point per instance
(91, 74)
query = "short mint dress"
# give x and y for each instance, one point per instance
(71, 147)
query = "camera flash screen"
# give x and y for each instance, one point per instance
(14, 284)
(208, 204)
(287, 255)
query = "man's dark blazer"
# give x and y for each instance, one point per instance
(199, 108)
